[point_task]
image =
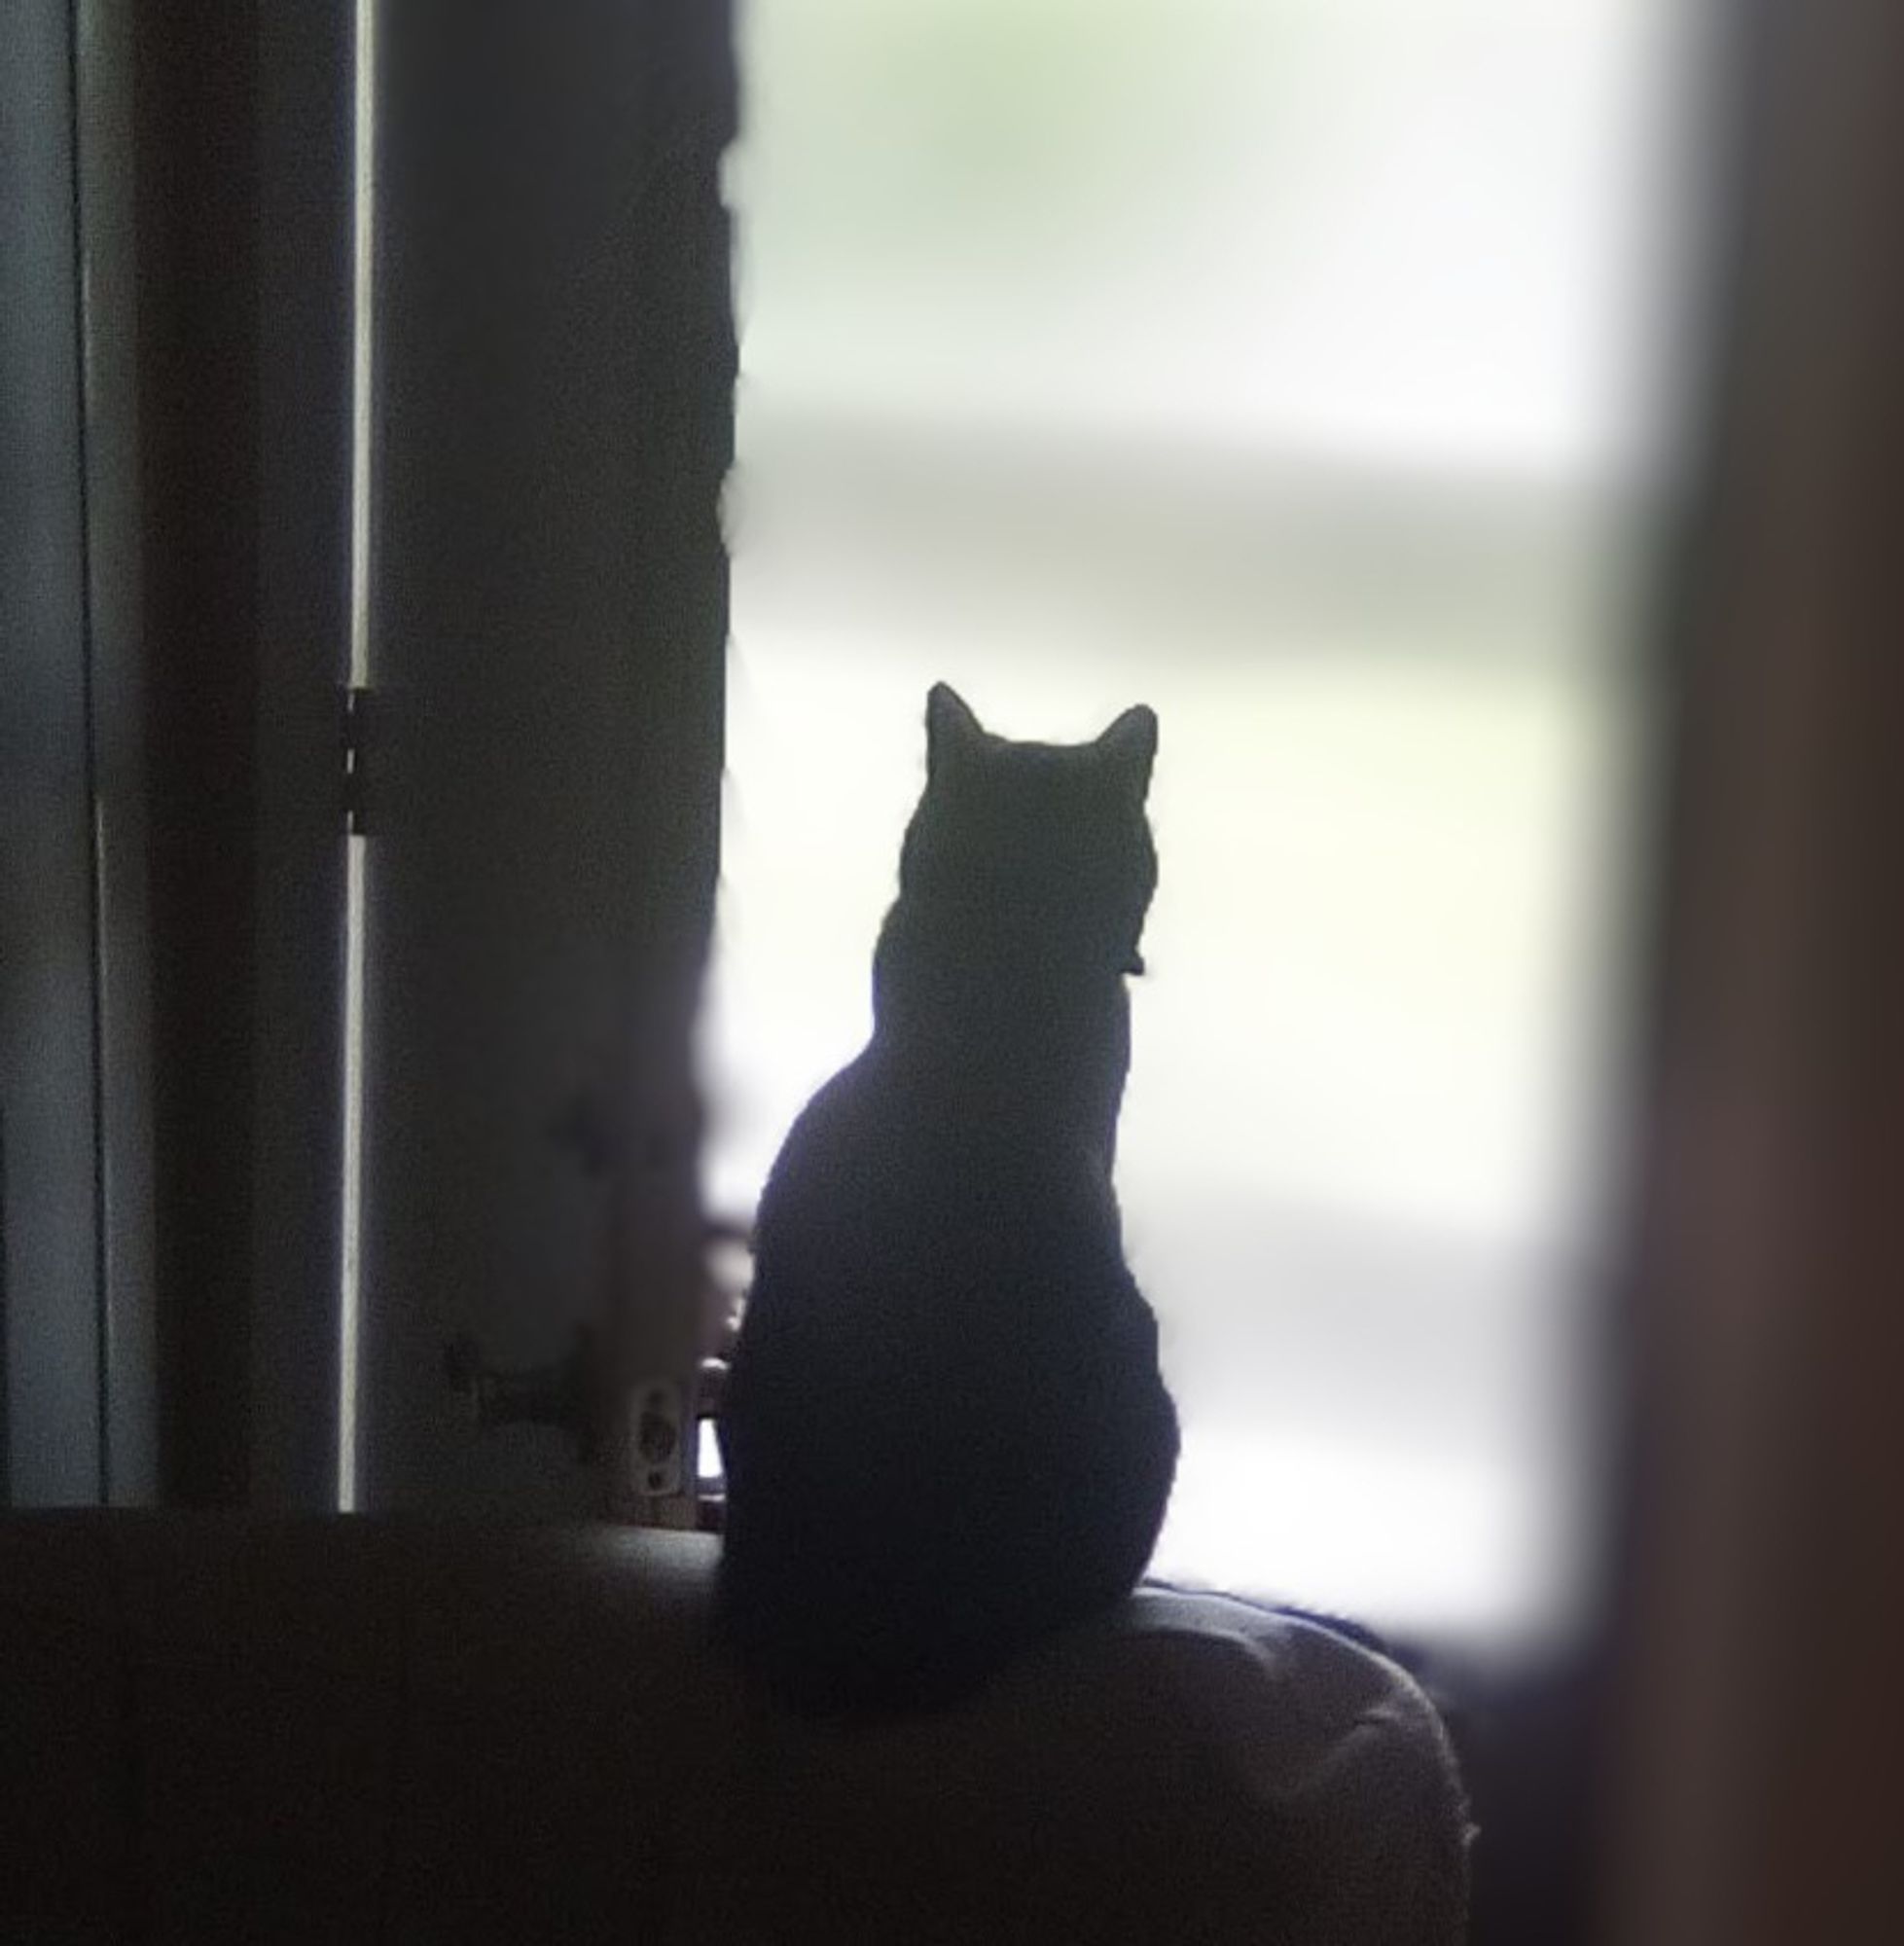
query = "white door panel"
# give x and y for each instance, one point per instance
(553, 364)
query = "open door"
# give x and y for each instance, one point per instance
(539, 756)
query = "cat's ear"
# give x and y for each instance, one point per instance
(1130, 746)
(951, 730)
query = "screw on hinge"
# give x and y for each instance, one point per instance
(354, 726)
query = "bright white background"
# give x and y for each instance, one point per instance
(1287, 364)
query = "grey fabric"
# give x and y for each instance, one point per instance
(393, 1728)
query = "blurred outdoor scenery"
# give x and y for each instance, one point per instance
(1296, 367)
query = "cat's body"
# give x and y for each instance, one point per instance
(945, 1432)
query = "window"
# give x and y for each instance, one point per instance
(1286, 367)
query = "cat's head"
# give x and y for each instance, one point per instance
(1036, 841)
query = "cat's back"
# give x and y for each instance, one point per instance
(852, 1155)
(887, 1166)
(894, 1261)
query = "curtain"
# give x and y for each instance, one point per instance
(1765, 1584)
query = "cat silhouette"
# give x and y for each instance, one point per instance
(945, 1434)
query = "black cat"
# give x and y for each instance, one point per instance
(945, 1432)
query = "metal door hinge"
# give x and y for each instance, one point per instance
(355, 717)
